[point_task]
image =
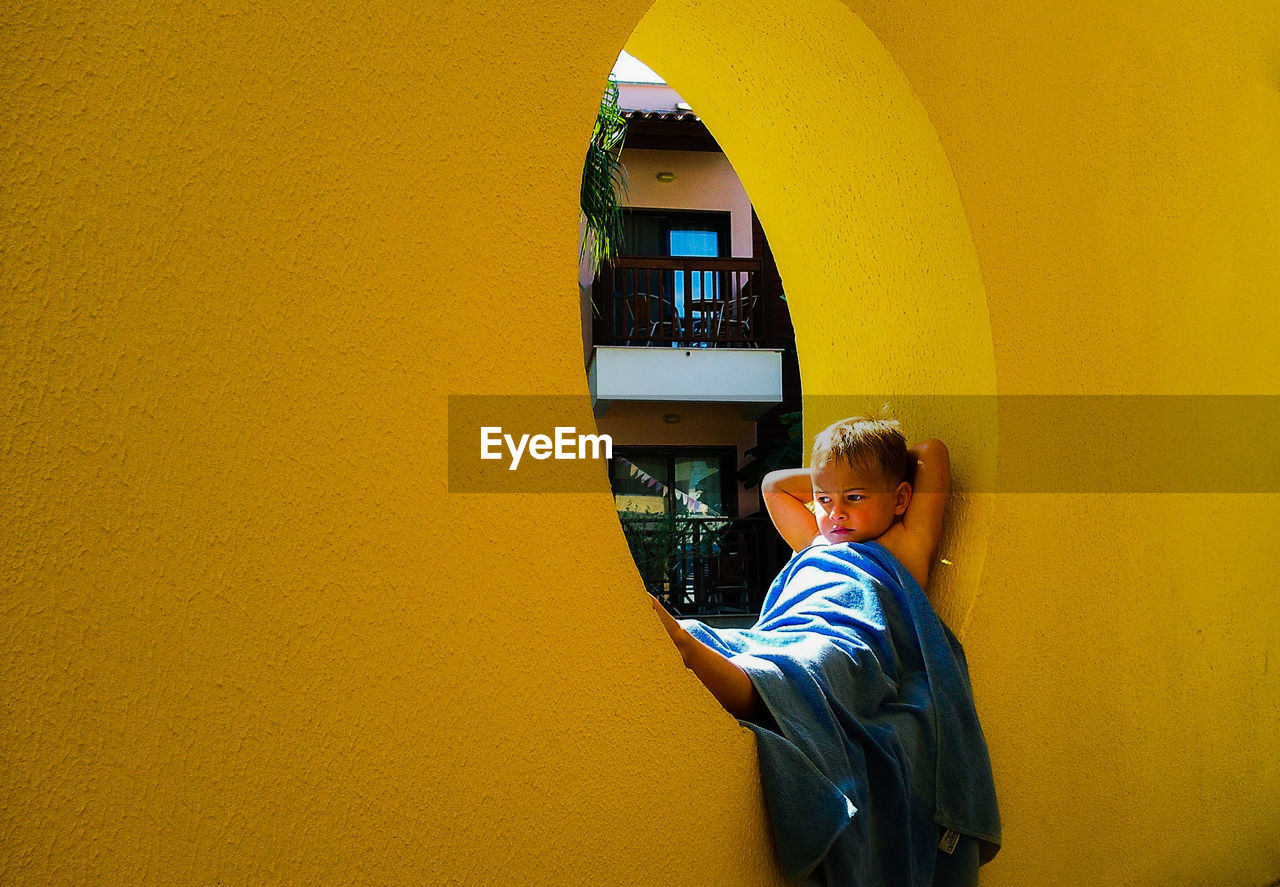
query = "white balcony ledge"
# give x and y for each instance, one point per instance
(750, 377)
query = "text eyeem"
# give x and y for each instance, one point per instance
(561, 445)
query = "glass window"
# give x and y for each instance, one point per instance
(698, 482)
(662, 232)
(670, 295)
(694, 242)
(673, 482)
(639, 484)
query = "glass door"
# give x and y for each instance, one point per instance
(674, 505)
(689, 298)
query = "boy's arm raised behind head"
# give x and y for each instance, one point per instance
(922, 521)
(786, 493)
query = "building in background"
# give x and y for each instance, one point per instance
(691, 363)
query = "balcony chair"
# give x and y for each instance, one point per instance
(739, 320)
(648, 315)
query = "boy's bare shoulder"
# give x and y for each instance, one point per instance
(908, 552)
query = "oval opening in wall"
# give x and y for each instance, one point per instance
(853, 234)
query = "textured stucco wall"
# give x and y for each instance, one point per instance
(249, 637)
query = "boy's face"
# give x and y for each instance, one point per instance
(855, 504)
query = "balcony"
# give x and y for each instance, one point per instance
(695, 302)
(684, 330)
(706, 566)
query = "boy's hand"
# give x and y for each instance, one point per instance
(728, 683)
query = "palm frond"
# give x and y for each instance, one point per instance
(604, 181)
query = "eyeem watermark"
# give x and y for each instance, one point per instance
(527, 444)
(1096, 444)
(559, 445)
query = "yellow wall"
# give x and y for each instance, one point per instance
(248, 636)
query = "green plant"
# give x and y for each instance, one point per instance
(661, 543)
(766, 457)
(604, 182)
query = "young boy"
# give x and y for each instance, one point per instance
(860, 484)
(865, 485)
(872, 760)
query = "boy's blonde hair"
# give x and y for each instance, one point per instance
(861, 442)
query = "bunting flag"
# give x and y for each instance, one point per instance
(691, 504)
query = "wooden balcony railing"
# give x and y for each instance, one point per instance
(684, 302)
(702, 566)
